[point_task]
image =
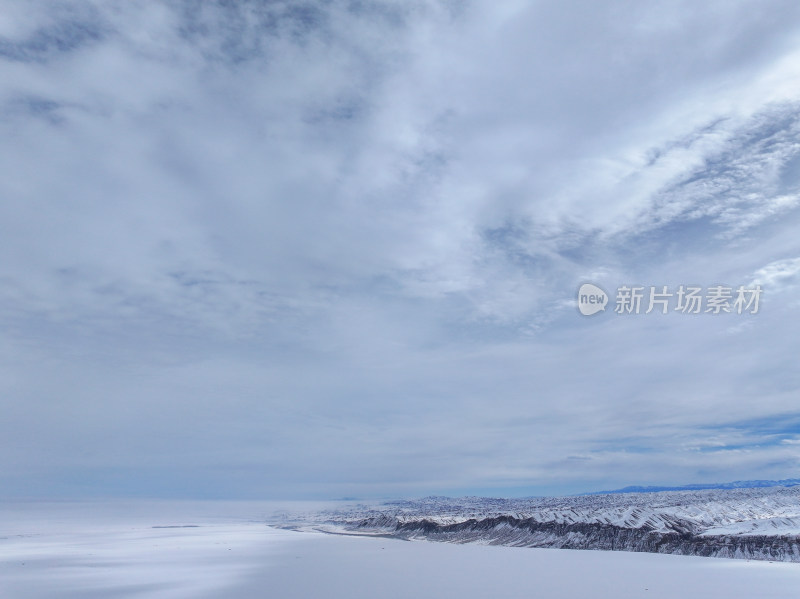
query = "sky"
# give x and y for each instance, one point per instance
(275, 249)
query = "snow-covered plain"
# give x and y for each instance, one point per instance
(226, 550)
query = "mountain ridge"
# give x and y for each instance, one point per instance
(738, 484)
(747, 522)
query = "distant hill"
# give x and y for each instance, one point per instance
(739, 484)
(744, 520)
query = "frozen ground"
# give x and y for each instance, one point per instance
(111, 551)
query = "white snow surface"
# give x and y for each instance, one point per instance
(205, 551)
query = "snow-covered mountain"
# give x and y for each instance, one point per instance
(752, 523)
(738, 484)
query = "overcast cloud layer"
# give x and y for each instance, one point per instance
(315, 249)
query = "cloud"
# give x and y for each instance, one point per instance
(330, 248)
(777, 274)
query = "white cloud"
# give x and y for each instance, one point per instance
(286, 249)
(777, 274)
